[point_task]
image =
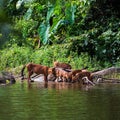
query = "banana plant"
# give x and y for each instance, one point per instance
(45, 30)
(62, 10)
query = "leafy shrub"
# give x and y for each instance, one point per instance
(17, 56)
(14, 56)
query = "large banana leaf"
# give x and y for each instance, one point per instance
(45, 26)
(70, 13)
(45, 30)
(49, 13)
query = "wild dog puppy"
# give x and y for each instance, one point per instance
(61, 74)
(35, 68)
(78, 77)
(67, 76)
(74, 72)
(71, 74)
(61, 65)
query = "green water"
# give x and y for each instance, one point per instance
(59, 102)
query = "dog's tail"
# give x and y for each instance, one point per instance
(22, 72)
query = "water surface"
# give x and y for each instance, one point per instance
(59, 101)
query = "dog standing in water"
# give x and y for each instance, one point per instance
(35, 68)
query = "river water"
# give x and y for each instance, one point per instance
(59, 101)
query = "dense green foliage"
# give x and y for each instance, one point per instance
(75, 31)
(16, 56)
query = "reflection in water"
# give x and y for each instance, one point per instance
(59, 101)
(61, 86)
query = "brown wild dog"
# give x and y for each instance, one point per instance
(61, 74)
(74, 72)
(67, 76)
(79, 76)
(35, 68)
(61, 65)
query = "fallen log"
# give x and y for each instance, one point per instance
(106, 71)
(100, 75)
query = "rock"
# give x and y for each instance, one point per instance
(7, 77)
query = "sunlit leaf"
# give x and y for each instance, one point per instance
(19, 4)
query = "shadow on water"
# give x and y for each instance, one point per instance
(59, 101)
